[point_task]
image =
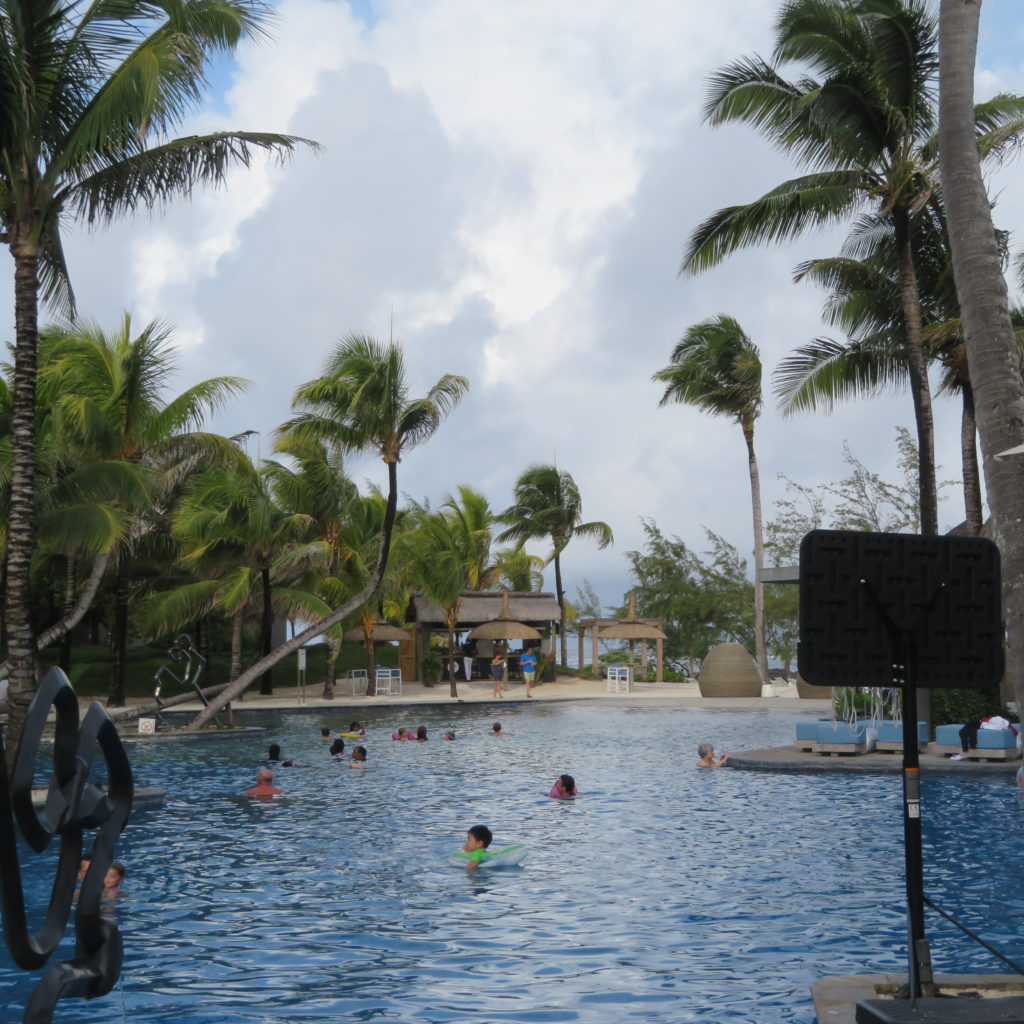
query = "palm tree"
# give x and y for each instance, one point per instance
(90, 96)
(865, 301)
(717, 368)
(992, 355)
(362, 402)
(547, 506)
(449, 551)
(113, 400)
(864, 132)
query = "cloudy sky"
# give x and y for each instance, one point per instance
(513, 182)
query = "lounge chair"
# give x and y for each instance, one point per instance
(890, 737)
(843, 738)
(991, 744)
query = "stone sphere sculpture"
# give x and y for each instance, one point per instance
(729, 671)
(808, 691)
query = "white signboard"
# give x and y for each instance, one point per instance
(147, 725)
(302, 659)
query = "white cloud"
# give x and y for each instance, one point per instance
(513, 183)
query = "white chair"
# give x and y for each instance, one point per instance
(360, 681)
(620, 679)
(389, 682)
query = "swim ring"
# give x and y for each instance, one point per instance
(505, 857)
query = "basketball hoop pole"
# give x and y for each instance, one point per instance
(905, 676)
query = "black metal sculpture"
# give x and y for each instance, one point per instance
(72, 804)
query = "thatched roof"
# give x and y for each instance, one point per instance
(504, 627)
(477, 607)
(381, 631)
(632, 628)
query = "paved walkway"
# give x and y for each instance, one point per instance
(292, 698)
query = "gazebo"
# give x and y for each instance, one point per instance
(629, 628)
(477, 607)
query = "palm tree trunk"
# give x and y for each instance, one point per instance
(917, 367)
(560, 597)
(21, 647)
(70, 585)
(236, 645)
(992, 360)
(319, 627)
(371, 659)
(120, 638)
(760, 649)
(266, 631)
(969, 461)
(331, 668)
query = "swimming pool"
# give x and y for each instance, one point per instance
(664, 893)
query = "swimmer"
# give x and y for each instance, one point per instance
(449, 735)
(478, 838)
(706, 752)
(83, 866)
(564, 787)
(358, 758)
(325, 733)
(402, 734)
(113, 878)
(421, 734)
(264, 788)
(497, 673)
(274, 755)
(496, 730)
(356, 727)
(337, 750)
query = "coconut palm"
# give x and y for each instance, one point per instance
(717, 368)
(864, 131)
(993, 361)
(865, 301)
(362, 402)
(547, 506)
(448, 552)
(90, 96)
(114, 401)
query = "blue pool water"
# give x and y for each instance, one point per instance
(664, 893)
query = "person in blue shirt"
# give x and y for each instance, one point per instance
(528, 664)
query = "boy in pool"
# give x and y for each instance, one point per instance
(496, 730)
(113, 879)
(478, 838)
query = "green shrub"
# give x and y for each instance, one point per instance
(431, 668)
(962, 705)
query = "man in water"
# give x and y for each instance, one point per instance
(264, 788)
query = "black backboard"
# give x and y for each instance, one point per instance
(943, 592)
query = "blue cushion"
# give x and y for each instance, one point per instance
(807, 730)
(892, 732)
(841, 732)
(995, 739)
(949, 734)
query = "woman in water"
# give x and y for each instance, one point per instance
(358, 758)
(564, 787)
(421, 734)
(338, 750)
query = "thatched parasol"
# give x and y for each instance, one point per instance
(504, 627)
(632, 628)
(382, 631)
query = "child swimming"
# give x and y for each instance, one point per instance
(478, 838)
(564, 787)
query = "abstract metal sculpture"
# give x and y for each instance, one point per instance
(72, 804)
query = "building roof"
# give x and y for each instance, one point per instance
(477, 607)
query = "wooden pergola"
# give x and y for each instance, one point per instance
(595, 626)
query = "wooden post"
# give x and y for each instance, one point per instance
(593, 661)
(657, 649)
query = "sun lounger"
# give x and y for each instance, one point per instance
(991, 744)
(807, 735)
(843, 738)
(890, 737)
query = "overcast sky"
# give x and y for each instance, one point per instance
(514, 180)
